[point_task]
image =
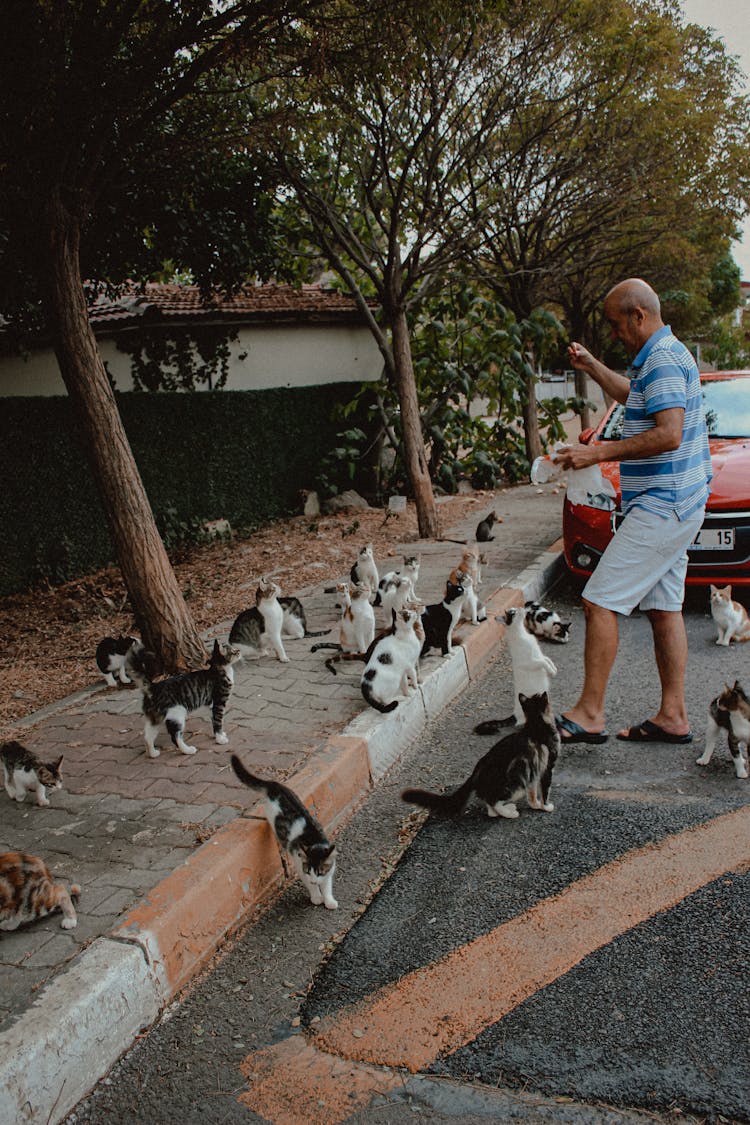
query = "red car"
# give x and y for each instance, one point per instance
(720, 553)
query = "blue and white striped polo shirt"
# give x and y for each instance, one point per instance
(664, 375)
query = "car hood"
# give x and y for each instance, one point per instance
(730, 487)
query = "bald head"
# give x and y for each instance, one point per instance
(633, 312)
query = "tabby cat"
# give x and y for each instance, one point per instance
(731, 617)
(257, 631)
(25, 773)
(546, 623)
(519, 765)
(298, 833)
(440, 619)
(730, 711)
(110, 658)
(28, 892)
(531, 668)
(392, 665)
(294, 622)
(169, 702)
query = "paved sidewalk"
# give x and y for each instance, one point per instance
(169, 852)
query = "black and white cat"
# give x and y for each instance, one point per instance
(110, 658)
(392, 665)
(257, 631)
(357, 624)
(24, 772)
(390, 582)
(531, 668)
(519, 765)
(730, 711)
(364, 569)
(440, 619)
(546, 623)
(298, 833)
(294, 622)
(169, 702)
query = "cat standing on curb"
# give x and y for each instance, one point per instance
(169, 702)
(298, 833)
(392, 666)
(28, 892)
(519, 765)
(730, 711)
(257, 631)
(531, 668)
(110, 658)
(731, 617)
(25, 773)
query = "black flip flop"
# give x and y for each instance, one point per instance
(652, 732)
(575, 733)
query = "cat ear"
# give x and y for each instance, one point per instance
(56, 765)
(217, 648)
(522, 699)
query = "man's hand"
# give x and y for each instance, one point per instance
(577, 456)
(580, 357)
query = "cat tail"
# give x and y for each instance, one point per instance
(447, 804)
(246, 777)
(370, 698)
(319, 633)
(324, 644)
(493, 726)
(342, 656)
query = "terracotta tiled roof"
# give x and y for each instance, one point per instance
(254, 303)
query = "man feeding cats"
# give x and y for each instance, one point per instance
(665, 476)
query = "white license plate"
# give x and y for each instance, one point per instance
(713, 539)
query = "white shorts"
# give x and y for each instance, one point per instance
(645, 563)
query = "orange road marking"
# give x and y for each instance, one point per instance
(441, 1007)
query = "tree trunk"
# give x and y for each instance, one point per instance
(530, 414)
(166, 626)
(414, 451)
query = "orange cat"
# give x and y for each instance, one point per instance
(28, 892)
(731, 617)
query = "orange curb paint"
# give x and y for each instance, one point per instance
(182, 920)
(481, 644)
(437, 1009)
(294, 1082)
(335, 779)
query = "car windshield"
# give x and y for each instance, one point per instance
(725, 401)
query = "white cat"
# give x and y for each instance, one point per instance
(357, 625)
(731, 617)
(396, 595)
(365, 570)
(531, 668)
(410, 570)
(392, 668)
(472, 609)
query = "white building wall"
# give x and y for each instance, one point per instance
(274, 356)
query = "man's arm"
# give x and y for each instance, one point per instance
(664, 435)
(615, 385)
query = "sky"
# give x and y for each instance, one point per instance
(730, 20)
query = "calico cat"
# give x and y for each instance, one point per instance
(730, 711)
(471, 609)
(440, 619)
(110, 658)
(170, 701)
(298, 833)
(546, 623)
(484, 528)
(364, 569)
(519, 765)
(257, 631)
(28, 892)
(409, 570)
(294, 622)
(731, 617)
(470, 564)
(25, 773)
(392, 664)
(357, 624)
(531, 668)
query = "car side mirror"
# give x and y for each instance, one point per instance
(585, 436)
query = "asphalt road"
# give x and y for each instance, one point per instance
(587, 965)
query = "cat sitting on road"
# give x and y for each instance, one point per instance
(531, 668)
(25, 773)
(519, 765)
(257, 631)
(440, 619)
(294, 621)
(110, 658)
(390, 580)
(730, 711)
(169, 702)
(364, 569)
(357, 624)
(392, 664)
(298, 833)
(484, 528)
(546, 623)
(730, 616)
(28, 891)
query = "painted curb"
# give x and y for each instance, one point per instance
(72, 1034)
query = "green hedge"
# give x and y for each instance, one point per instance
(243, 456)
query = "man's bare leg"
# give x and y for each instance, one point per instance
(671, 652)
(600, 650)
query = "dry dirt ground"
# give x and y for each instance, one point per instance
(48, 637)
